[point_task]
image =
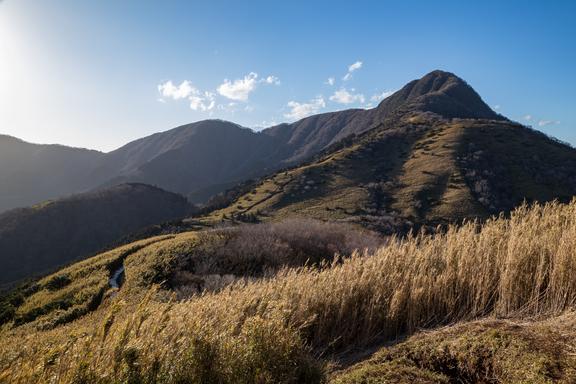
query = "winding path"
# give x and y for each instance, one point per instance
(117, 277)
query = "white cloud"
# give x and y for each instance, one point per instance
(176, 92)
(199, 101)
(343, 96)
(266, 123)
(203, 102)
(496, 107)
(378, 97)
(381, 96)
(351, 68)
(355, 66)
(528, 117)
(271, 80)
(330, 81)
(239, 89)
(301, 110)
(543, 123)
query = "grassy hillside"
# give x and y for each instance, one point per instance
(306, 324)
(186, 264)
(425, 170)
(485, 351)
(44, 237)
(68, 294)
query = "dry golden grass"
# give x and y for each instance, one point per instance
(432, 184)
(268, 331)
(75, 290)
(483, 351)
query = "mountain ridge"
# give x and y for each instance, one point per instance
(427, 170)
(195, 159)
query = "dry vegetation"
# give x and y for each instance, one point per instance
(485, 351)
(286, 327)
(255, 251)
(70, 293)
(423, 170)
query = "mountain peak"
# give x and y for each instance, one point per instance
(443, 93)
(437, 81)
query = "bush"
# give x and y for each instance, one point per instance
(263, 249)
(58, 282)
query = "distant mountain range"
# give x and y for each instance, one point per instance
(203, 158)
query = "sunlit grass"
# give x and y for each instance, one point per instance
(274, 330)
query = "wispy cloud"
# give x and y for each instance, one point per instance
(540, 122)
(381, 96)
(330, 81)
(240, 89)
(271, 80)
(343, 96)
(301, 110)
(352, 68)
(355, 66)
(266, 124)
(543, 123)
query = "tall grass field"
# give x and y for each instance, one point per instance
(293, 325)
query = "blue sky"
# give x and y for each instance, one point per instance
(98, 74)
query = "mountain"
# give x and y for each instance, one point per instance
(204, 158)
(293, 299)
(193, 157)
(40, 238)
(454, 156)
(439, 92)
(30, 173)
(437, 154)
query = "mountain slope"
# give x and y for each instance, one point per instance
(213, 153)
(487, 303)
(440, 155)
(439, 92)
(193, 157)
(38, 239)
(30, 173)
(204, 158)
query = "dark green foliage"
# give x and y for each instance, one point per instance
(11, 300)
(57, 282)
